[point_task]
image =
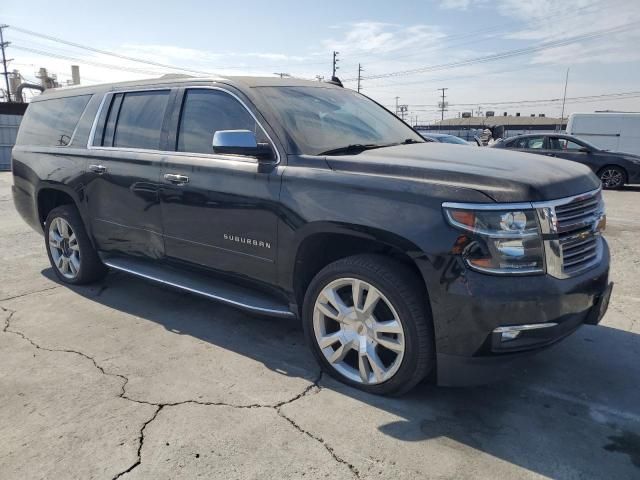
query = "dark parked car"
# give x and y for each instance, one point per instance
(614, 169)
(293, 198)
(442, 138)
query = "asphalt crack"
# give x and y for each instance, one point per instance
(140, 443)
(320, 440)
(313, 387)
(7, 324)
(26, 294)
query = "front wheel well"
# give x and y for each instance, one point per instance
(50, 198)
(321, 249)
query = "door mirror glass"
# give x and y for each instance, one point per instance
(240, 142)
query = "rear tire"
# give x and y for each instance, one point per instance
(72, 256)
(383, 341)
(612, 177)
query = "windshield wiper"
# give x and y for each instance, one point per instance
(361, 147)
(353, 148)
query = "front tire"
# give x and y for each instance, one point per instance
(72, 256)
(368, 324)
(612, 177)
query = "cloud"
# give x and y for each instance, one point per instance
(547, 20)
(460, 4)
(383, 38)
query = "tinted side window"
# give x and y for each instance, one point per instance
(556, 143)
(139, 119)
(206, 111)
(52, 122)
(528, 142)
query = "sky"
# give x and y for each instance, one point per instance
(501, 55)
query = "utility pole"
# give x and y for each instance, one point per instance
(564, 98)
(360, 70)
(5, 72)
(442, 105)
(335, 63)
(397, 98)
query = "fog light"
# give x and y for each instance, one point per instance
(509, 335)
(512, 332)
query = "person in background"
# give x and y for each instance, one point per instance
(486, 136)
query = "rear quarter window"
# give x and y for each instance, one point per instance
(51, 123)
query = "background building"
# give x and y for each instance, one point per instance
(504, 126)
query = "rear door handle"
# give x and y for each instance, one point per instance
(176, 179)
(99, 169)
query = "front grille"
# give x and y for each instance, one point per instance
(576, 224)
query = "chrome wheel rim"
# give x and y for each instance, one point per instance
(611, 178)
(64, 248)
(358, 331)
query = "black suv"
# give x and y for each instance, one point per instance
(615, 169)
(285, 197)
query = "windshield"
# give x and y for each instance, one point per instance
(321, 119)
(452, 139)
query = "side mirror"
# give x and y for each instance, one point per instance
(241, 142)
(584, 150)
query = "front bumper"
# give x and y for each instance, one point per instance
(470, 306)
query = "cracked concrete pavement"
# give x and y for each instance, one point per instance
(126, 379)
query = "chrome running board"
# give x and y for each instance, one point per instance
(200, 284)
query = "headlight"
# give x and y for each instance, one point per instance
(503, 241)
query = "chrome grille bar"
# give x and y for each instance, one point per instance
(572, 230)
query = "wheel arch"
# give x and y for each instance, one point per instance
(324, 242)
(49, 197)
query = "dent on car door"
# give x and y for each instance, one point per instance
(223, 211)
(123, 173)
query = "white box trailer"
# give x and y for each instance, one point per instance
(619, 132)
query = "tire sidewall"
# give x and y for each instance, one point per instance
(71, 216)
(412, 347)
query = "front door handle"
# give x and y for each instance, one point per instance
(99, 169)
(551, 154)
(176, 179)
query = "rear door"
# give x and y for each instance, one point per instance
(219, 211)
(562, 147)
(123, 173)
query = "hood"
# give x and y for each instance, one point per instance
(503, 175)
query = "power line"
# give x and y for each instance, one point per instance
(505, 54)
(88, 62)
(106, 52)
(601, 96)
(475, 35)
(141, 60)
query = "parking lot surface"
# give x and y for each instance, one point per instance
(126, 379)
